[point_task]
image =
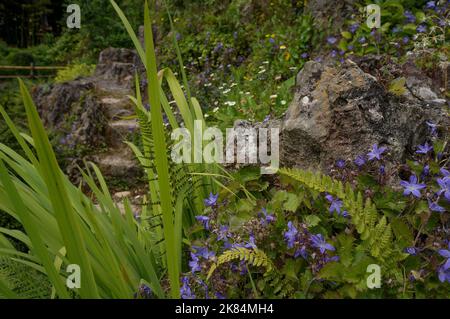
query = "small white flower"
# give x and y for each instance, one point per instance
(273, 96)
(215, 109)
(262, 71)
(283, 102)
(266, 62)
(230, 103)
(227, 91)
(305, 100)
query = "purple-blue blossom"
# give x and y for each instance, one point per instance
(335, 205)
(331, 40)
(360, 160)
(267, 218)
(185, 290)
(319, 242)
(430, 5)
(251, 243)
(223, 233)
(422, 28)
(340, 163)
(376, 152)
(432, 126)
(412, 187)
(211, 200)
(435, 207)
(411, 251)
(410, 17)
(290, 235)
(301, 252)
(354, 27)
(444, 270)
(444, 184)
(193, 264)
(424, 149)
(204, 220)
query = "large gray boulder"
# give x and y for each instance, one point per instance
(339, 112)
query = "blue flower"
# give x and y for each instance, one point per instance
(203, 252)
(360, 160)
(251, 243)
(331, 40)
(432, 127)
(411, 250)
(422, 28)
(185, 290)
(193, 264)
(331, 259)
(272, 40)
(291, 235)
(223, 233)
(340, 163)
(354, 27)
(382, 169)
(376, 152)
(410, 17)
(301, 252)
(435, 207)
(444, 183)
(220, 296)
(430, 5)
(412, 187)
(424, 149)
(426, 170)
(444, 273)
(362, 40)
(144, 292)
(336, 204)
(268, 218)
(396, 29)
(304, 55)
(204, 220)
(405, 40)
(211, 200)
(319, 242)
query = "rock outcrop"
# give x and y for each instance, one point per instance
(88, 113)
(340, 112)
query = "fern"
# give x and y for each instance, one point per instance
(22, 280)
(254, 257)
(375, 232)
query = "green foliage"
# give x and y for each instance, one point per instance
(23, 280)
(75, 71)
(375, 231)
(253, 257)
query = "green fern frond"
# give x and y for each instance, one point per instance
(374, 231)
(254, 257)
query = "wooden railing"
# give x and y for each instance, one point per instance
(33, 71)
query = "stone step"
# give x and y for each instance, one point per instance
(119, 130)
(119, 164)
(117, 107)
